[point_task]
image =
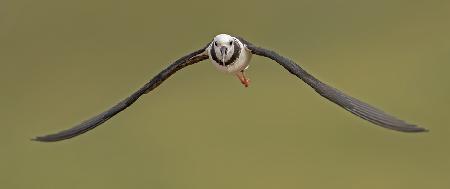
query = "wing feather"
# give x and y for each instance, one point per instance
(95, 121)
(353, 105)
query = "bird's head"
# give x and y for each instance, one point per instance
(223, 47)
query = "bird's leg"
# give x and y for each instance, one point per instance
(244, 80)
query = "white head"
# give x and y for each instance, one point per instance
(223, 47)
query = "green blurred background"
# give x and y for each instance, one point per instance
(64, 61)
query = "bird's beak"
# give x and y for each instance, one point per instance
(223, 50)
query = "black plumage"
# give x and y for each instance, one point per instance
(349, 103)
(93, 122)
(236, 53)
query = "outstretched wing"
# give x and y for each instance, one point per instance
(349, 103)
(93, 122)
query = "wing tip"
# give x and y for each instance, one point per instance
(48, 138)
(420, 129)
(412, 129)
(42, 139)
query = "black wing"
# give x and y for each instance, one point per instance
(349, 103)
(93, 122)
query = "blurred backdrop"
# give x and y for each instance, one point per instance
(64, 61)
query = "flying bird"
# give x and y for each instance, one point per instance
(232, 55)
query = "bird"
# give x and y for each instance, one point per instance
(232, 54)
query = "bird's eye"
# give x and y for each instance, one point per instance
(231, 42)
(215, 43)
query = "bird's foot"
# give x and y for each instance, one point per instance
(244, 80)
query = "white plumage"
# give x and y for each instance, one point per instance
(240, 64)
